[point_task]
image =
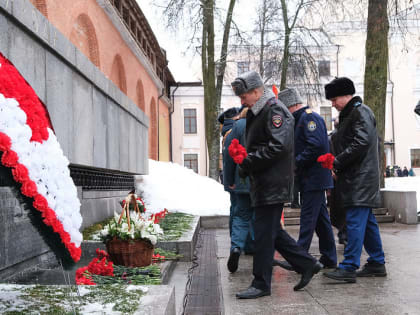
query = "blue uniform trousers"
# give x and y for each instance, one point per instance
(269, 236)
(314, 217)
(362, 230)
(232, 209)
(241, 221)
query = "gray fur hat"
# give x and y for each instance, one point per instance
(289, 97)
(246, 82)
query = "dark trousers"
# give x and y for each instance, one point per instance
(269, 236)
(314, 218)
(362, 230)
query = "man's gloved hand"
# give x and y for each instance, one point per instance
(241, 172)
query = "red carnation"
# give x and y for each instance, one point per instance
(237, 151)
(5, 142)
(20, 173)
(29, 188)
(326, 160)
(9, 158)
(41, 203)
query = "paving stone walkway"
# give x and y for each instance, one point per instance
(398, 293)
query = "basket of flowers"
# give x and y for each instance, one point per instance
(130, 238)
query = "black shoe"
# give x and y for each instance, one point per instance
(307, 275)
(250, 253)
(372, 270)
(233, 259)
(341, 275)
(327, 264)
(283, 263)
(252, 293)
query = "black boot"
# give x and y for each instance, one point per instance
(283, 263)
(307, 275)
(252, 293)
(340, 274)
(232, 263)
(372, 270)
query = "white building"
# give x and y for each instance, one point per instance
(345, 56)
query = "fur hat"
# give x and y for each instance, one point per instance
(246, 82)
(417, 109)
(339, 87)
(228, 114)
(289, 97)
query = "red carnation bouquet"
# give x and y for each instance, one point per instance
(326, 160)
(237, 151)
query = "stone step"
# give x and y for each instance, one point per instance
(385, 218)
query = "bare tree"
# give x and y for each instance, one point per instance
(201, 14)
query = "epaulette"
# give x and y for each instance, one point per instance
(308, 111)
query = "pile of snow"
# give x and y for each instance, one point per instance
(404, 184)
(179, 189)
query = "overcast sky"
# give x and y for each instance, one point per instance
(181, 62)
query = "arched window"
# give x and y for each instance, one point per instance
(118, 73)
(153, 136)
(41, 6)
(83, 36)
(140, 95)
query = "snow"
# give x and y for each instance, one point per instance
(179, 189)
(404, 184)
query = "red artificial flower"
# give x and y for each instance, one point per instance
(29, 188)
(20, 173)
(41, 204)
(5, 142)
(237, 151)
(326, 160)
(9, 158)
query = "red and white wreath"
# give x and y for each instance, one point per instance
(30, 148)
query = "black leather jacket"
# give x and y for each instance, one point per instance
(270, 160)
(356, 162)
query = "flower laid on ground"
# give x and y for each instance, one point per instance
(326, 160)
(101, 270)
(159, 216)
(100, 265)
(237, 151)
(140, 229)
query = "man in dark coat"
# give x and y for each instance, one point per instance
(311, 141)
(269, 164)
(356, 167)
(242, 211)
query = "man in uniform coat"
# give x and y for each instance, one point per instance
(311, 141)
(356, 167)
(269, 165)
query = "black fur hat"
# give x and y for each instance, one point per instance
(339, 87)
(228, 114)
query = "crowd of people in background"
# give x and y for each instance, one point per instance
(396, 171)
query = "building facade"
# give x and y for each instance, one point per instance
(116, 38)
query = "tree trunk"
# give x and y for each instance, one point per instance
(376, 70)
(285, 61)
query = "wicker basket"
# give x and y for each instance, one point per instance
(133, 253)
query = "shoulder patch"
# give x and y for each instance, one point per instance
(311, 125)
(277, 121)
(308, 111)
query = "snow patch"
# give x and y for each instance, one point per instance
(179, 189)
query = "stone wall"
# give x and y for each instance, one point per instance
(96, 125)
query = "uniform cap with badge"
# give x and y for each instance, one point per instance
(289, 97)
(246, 82)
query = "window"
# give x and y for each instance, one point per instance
(243, 66)
(190, 120)
(326, 114)
(324, 68)
(415, 158)
(270, 68)
(191, 161)
(295, 69)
